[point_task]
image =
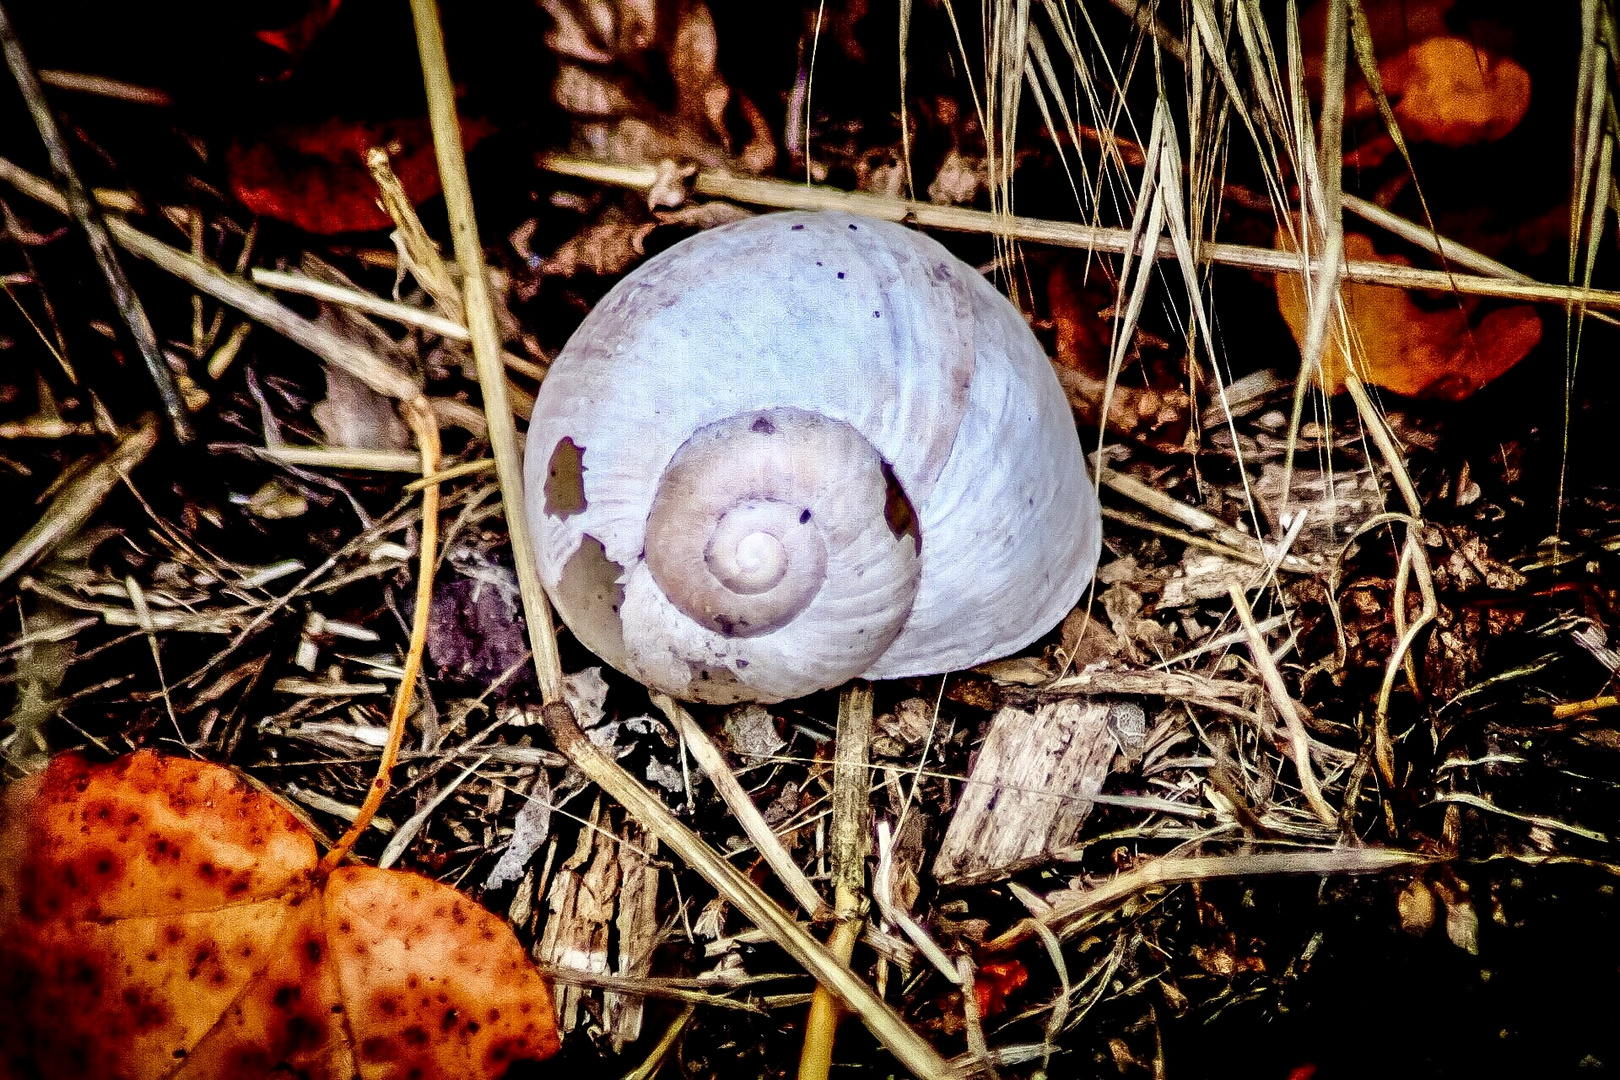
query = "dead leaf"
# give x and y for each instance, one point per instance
(1449, 91)
(530, 829)
(273, 502)
(606, 248)
(294, 39)
(1150, 398)
(1415, 905)
(1400, 346)
(643, 80)
(355, 415)
(958, 181)
(315, 176)
(1086, 639)
(158, 919)
(751, 734)
(476, 631)
(996, 981)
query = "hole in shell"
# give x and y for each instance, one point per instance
(897, 510)
(590, 596)
(565, 480)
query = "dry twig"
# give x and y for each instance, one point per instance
(726, 784)
(782, 195)
(74, 504)
(89, 219)
(851, 840)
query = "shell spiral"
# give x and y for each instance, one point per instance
(800, 449)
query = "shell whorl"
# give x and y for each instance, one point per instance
(794, 363)
(755, 512)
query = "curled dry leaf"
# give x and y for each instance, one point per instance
(159, 919)
(1448, 353)
(314, 175)
(609, 246)
(354, 415)
(641, 78)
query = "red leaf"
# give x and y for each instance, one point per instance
(314, 175)
(995, 981)
(295, 38)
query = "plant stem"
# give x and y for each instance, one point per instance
(89, 219)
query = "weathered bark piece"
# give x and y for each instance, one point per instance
(1029, 792)
(637, 924)
(581, 903)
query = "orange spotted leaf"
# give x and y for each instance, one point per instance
(159, 920)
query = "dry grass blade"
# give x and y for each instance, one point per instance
(851, 839)
(360, 301)
(782, 195)
(1103, 122)
(666, 1044)
(1230, 538)
(1146, 17)
(726, 784)
(1203, 18)
(1322, 297)
(1170, 193)
(1419, 236)
(486, 341)
(416, 248)
(74, 504)
(322, 457)
(1414, 562)
(1299, 741)
(1147, 223)
(1066, 912)
(645, 987)
(905, 120)
(88, 216)
(101, 86)
(1041, 61)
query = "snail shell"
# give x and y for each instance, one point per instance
(804, 448)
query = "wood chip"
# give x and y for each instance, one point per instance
(1029, 792)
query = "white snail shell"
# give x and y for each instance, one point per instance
(804, 448)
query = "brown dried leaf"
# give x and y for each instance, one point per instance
(1402, 347)
(158, 919)
(622, 58)
(355, 415)
(1150, 398)
(606, 248)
